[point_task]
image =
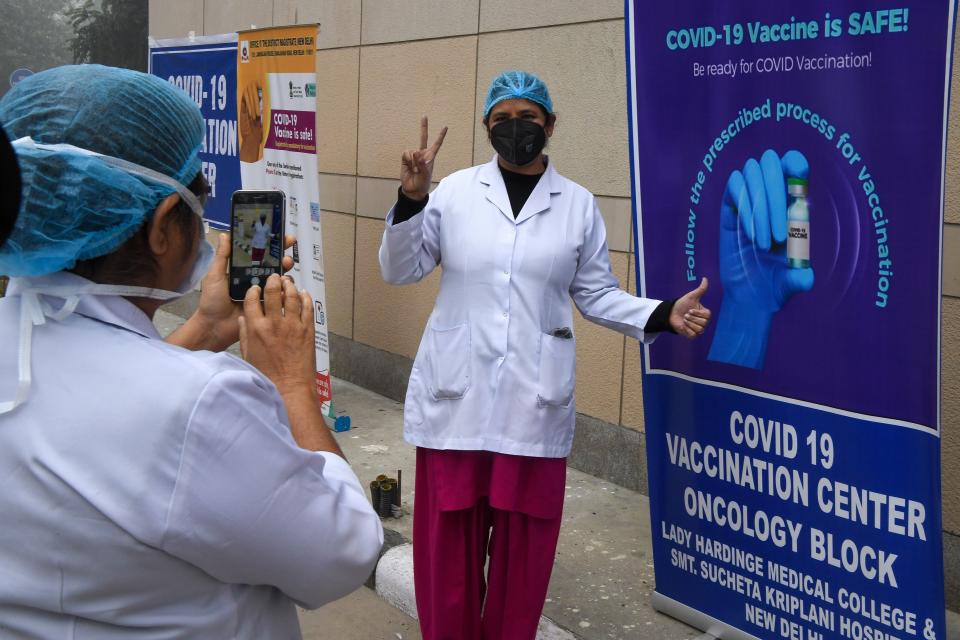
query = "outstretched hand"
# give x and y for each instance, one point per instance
(689, 318)
(416, 165)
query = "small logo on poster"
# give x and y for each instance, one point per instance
(317, 253)
(296, 90)
(320, 316)
(244, 51)
(311, 89)
(315, 211)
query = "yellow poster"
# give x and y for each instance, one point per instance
(260, 54)
(277, 113)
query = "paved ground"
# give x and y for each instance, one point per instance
(361, 615)
(603, 574)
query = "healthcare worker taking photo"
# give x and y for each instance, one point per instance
(490, 400)
(153, 489)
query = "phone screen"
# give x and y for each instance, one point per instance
(256, 230)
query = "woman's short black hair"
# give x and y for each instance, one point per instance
(10, 188)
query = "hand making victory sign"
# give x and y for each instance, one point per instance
(416, 167)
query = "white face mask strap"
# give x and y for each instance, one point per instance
(30, 313)
(94, 289)
(130, 167)
(63, 312)
(33, 308)
(33, 312)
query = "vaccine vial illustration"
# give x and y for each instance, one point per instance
(798, 224)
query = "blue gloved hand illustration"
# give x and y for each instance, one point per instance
(757, 279)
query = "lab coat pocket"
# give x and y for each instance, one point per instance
(450, 360)
(558, 358)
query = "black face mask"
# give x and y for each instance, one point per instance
(519, 142)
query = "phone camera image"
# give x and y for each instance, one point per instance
(257, 224)
(253, 234)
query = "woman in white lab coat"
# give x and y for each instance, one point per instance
(490, 400)
(152, 489)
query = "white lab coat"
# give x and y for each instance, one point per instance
(154, 492)
(261, 232)
(489, 374)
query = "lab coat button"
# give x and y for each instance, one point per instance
(505, 314)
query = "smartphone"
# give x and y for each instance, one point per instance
(257, 220)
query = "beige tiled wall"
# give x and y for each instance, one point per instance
(950, 352)
(177, 21)
(235, 15)
(339, 244)
(950, 418)
(952, 213)
(403, 20)
(384, 63)
(586, 73)
(385, 316)
(507, 15)
(375, 196)
(339, 20)
(338, 84)
(600, 359)
(617, 219)
(631, 412)
(338, 192)
(399, 83)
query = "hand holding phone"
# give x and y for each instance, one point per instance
(257, 222)
(277, 334)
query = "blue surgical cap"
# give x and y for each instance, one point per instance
(77, 206)
(517, 84)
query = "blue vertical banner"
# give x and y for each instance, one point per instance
(794, 155)
(206, 68)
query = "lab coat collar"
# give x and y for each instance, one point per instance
(113, 310)
(539, 200)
